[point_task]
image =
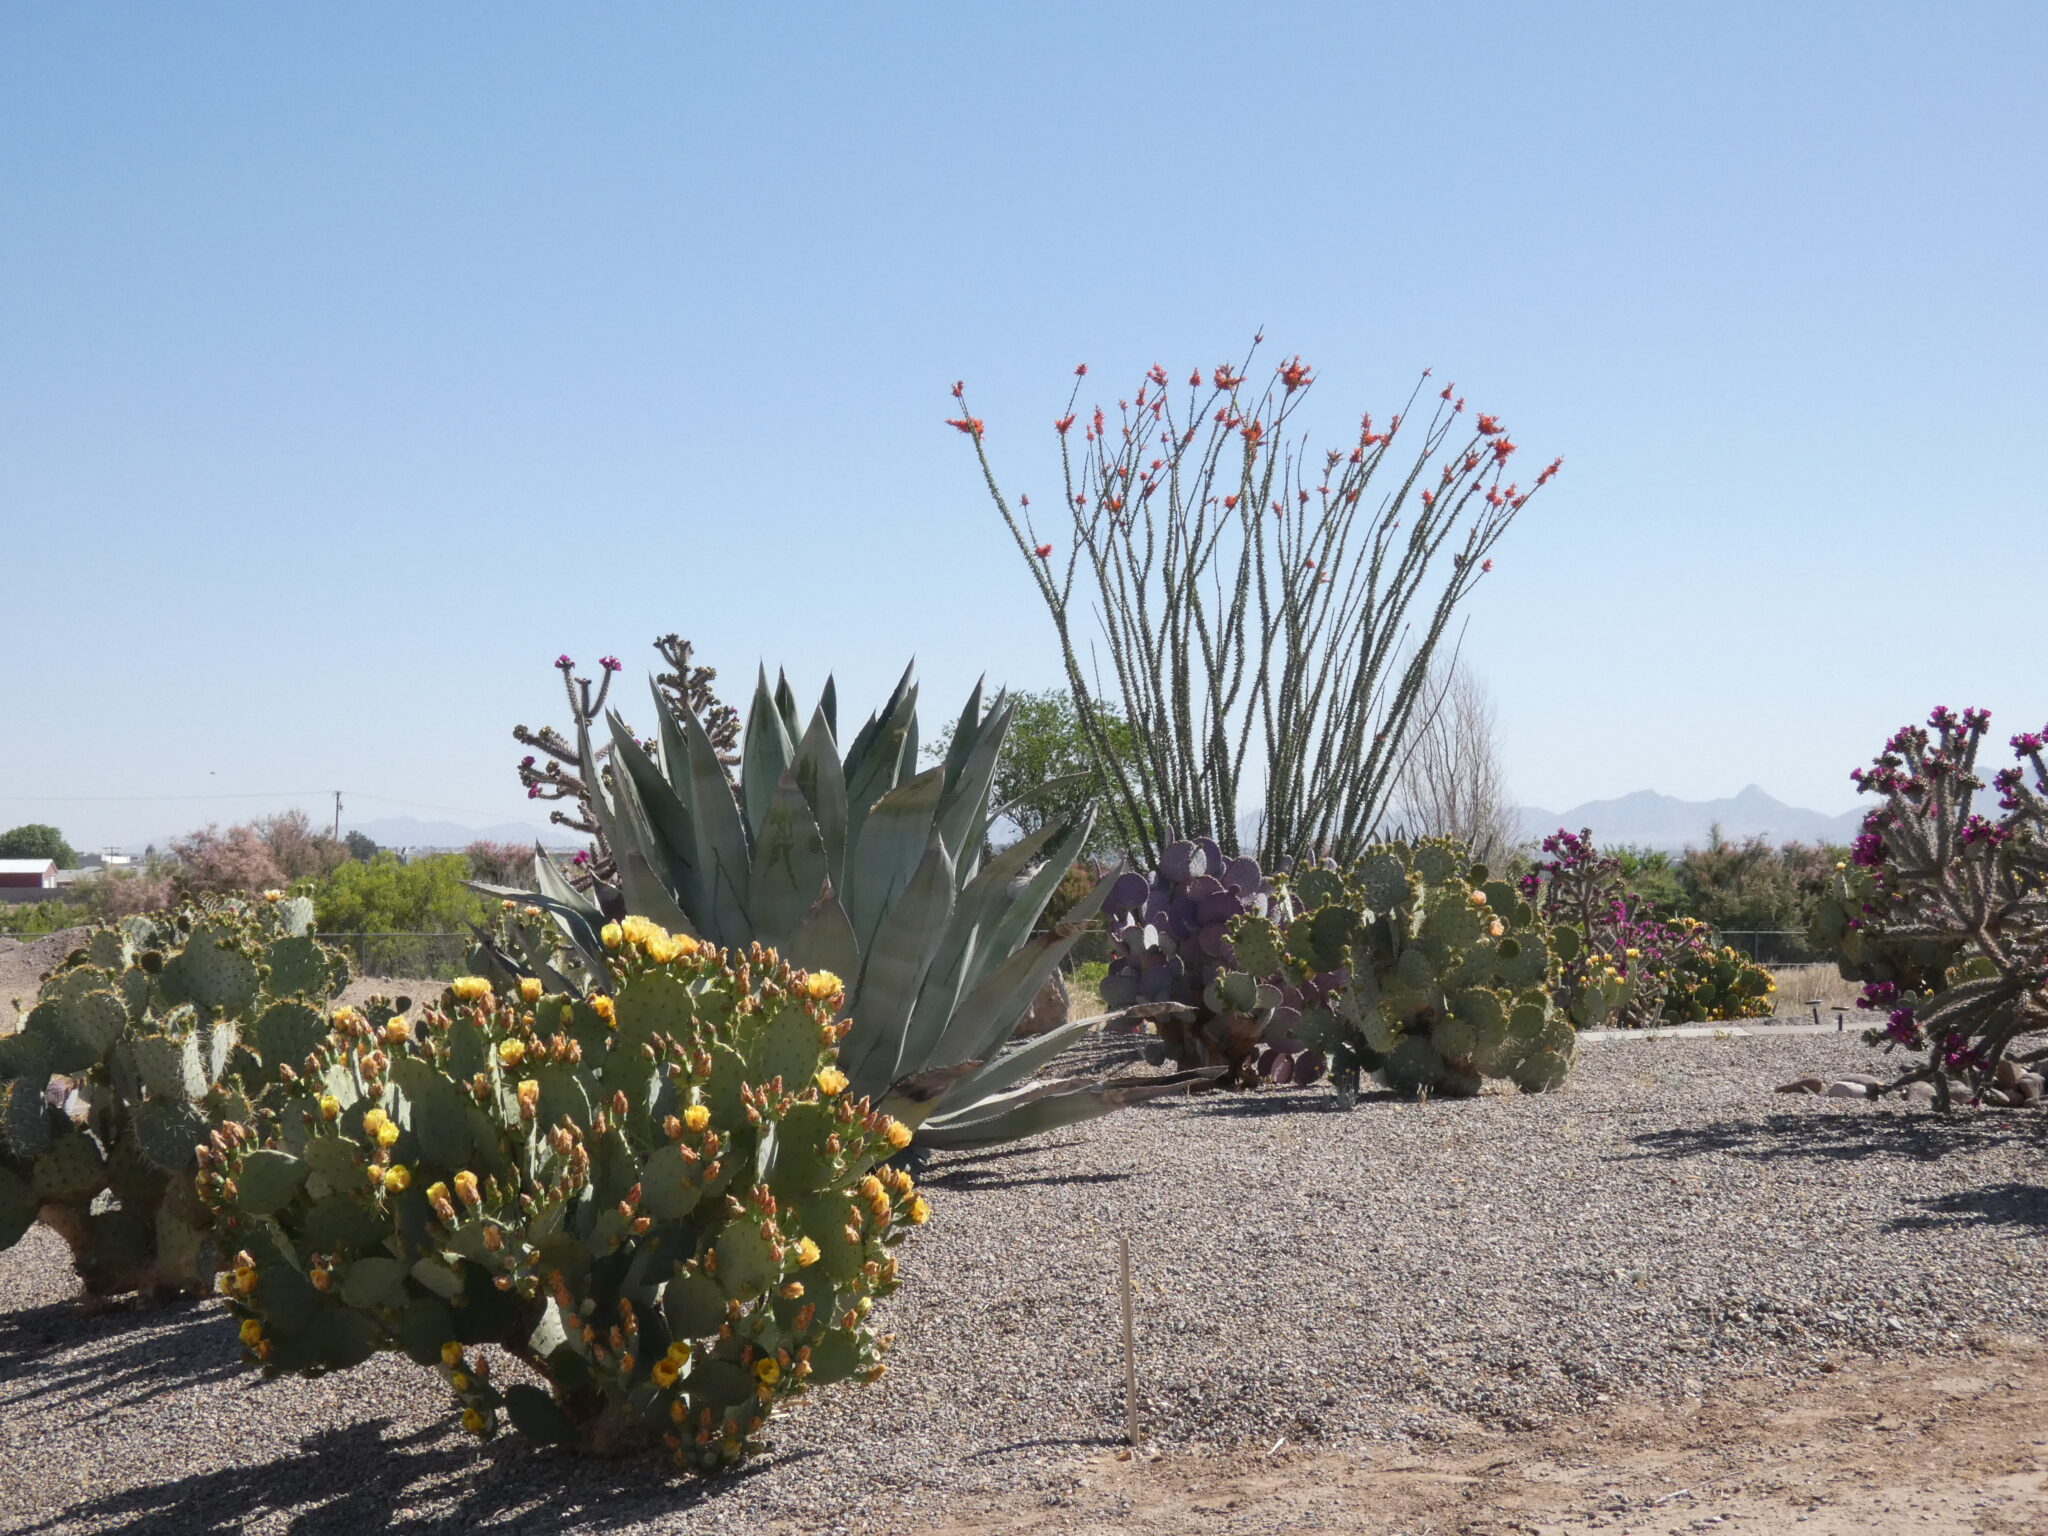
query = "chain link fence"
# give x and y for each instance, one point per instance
(426, 956)
(1771, 946)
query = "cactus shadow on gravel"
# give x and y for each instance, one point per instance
(2023, 1206)
(1847, 1136)
(365, 1478)
(1318, 1100)
(114, 1357)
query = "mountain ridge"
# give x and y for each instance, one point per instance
(1646, 819)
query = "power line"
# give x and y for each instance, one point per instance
(253, 794)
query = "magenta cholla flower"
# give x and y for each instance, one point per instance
(609, 663)
(533, 791)
(564, 662)
(581, 857)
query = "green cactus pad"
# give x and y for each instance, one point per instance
(186, 1255)
(836, 1356)
(670, 1188)
(435, 1111)
(564, 1091)
(286, 1033)
(693, 1305)
(1256, 943)
(654, 1003)
(298, 967)
(802, 1162)
(24, 1055)
(534, 1414)
(1318, 888)
(268, 1179)
(71, 1168)
(343, 1223)
(786, 1047)
(169, 1067)
(718, 1383)
(336, 1163)
(722, 1093)
(86, 1027)
(167, 1132)
(1454, 1039)
(108, 950)
(1437, 861)
(214, 971)
(17, 1207)
(1382, 881)
(376, 1284)
(118, 1247)
(1565, 942)
(24, 1116)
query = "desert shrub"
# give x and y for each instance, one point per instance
(35, 917)
(1943, 911)
(266, 854)
(387, 895)
(1620, 963)
(155, 1030)
(661, 1198)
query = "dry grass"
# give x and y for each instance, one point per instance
(1799, 983)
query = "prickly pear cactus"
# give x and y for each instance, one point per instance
(1170, 944)
(157, 1028)
(1434, 975)
(662, 1199)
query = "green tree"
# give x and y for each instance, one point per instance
(38, 841)
(1047, 743)
(386, 896)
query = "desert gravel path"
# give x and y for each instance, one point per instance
(1403, 1274)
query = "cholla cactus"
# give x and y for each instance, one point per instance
(1945, 913)
(154, 1031)
(663, 1200)
(1171, 958)
(1437, 975)
(1622, 964)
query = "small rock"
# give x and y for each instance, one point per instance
(2006, 1075)
(1802, 1085)
(1848, 1089)
(1998, 1098)
(1919, 1093)
(2031, 1087)
(1862, 1077)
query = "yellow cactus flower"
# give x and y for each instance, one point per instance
(252, 1333)
(917, 1213)
(1478, 898)
(864, 1306)
(697, 1117)
(664, 1374)
(396, 1032)
(830, 1080)
(611, 936)
(470, 989)
(822, 985)
(459, 1382)
(374, 1121)
(529, 989)
(273, 895)
(685, 945)
(806, 1253)
(437, 1193)
(529, 1097)
(1495, 929)
(871, 1189)
(330, 1107)
(896, 1133)
(605, 1009)
(465, 1188)
(387, 1134)
(511, 1052)
(398, 1178)
(659, 948)
(472, 1421)
(451, 1353)
(680, 1352)
(767, 1371)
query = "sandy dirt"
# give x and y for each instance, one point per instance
(1927, 1445)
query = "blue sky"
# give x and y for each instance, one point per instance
(356, 360)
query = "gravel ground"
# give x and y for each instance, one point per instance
(1401, 1271)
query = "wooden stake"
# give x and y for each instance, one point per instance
(1123, 1253)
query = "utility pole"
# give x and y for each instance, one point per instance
(337, 815)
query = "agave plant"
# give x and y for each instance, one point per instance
(851, 863)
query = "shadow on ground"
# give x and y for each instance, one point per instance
(115, 1358)
(1850, 1136)
(363, 1478)
(1997, 1205)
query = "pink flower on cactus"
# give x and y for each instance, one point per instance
(564, 662)
(609, 663)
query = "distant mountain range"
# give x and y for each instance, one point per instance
(1647, 819)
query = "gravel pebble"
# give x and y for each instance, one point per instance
(1403, 1270)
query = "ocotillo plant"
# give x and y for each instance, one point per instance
(1250, 589)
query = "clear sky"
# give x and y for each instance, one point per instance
(355, 360)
